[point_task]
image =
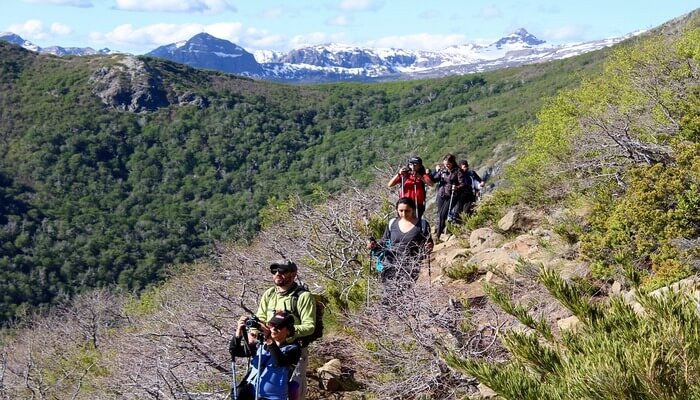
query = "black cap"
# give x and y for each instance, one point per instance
(415, 160)
(283, 265)
(282, 320)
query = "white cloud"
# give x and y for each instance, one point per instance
(490, 12)
(340, 20)
(312, 39)
(361, 5)
(147, 38)
(272, 13)
(565, 33)
(420, 41)
(74, 3)
(185, 6)
(58, 28)
(32, 29)
(35, 29)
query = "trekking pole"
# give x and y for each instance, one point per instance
(449, 208)
(233, 381)
(430, 278)
(415, 198)
(369, 276)
(257, 378)
(402, 183)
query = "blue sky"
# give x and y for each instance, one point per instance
(139, 26)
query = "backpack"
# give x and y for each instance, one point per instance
(320, 309)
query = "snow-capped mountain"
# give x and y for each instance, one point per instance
(339, 62)
(342, 62)
(205, 51)
(16, 39)
(55, 50)
(519, 38)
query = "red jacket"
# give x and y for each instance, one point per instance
(414, 187)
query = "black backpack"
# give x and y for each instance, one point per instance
(320, 309)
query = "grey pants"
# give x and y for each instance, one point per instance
(299, 374)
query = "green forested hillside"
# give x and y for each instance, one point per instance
(93, 195)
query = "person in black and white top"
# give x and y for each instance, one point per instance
(405, 243)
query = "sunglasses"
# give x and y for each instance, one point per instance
(279, 270)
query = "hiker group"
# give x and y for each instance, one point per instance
(289, 316)
(407, 240)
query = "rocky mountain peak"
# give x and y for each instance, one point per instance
(206, 51)
(519, 37)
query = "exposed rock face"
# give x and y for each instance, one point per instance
(131, 85)
(484, 238)
(690, 286)
(517, 221)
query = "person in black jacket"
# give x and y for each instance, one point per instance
(471, 186)
(450, 185)
(273, 359)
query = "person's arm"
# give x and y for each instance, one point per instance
(436, 175)
(261, 313)
(427, 178)
(395, 180)
(239, 348)
(460, 181)
(403, 172)
(287, 358)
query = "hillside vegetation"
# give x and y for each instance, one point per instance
(625, 149)
(593, 167)
(113, 168)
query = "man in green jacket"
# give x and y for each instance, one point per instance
(280, 298)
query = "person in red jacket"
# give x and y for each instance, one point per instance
(413, 179)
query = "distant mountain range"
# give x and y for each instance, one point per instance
(337, 62)
(55, 50)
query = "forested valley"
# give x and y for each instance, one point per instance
(113, 169)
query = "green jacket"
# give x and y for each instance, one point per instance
(305, 318)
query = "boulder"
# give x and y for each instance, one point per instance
(486, 392)
(568, 324)
(334, 378)
(501, 259)
(516, 220)
(484, 238)
(524, 245)
(449, 255)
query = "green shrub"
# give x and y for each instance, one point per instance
(461, 270)
(491, 208)
(615, 354)
(636, 230)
